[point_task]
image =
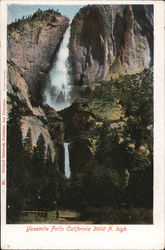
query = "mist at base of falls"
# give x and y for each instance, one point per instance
(57, 92)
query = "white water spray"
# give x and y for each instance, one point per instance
(57, 92)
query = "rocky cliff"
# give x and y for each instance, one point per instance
(32, 44)
(39, 119)
(80, 126)
(108, 40)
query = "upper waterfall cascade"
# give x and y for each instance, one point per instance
(57, 92)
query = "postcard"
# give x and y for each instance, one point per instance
(82, 124)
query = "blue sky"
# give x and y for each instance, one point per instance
(16, 11)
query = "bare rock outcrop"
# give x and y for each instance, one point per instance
(108, 40)
(32, 44)
(33, 117)
(80, 130)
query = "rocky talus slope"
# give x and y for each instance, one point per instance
(108, 40)
(32, 43)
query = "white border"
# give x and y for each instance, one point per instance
(137, 236)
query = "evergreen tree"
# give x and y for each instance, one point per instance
(39, 156)
(16, 171)
(50, 179)
(49, 163)
(38, 167)
(28, 148)
(27, 142)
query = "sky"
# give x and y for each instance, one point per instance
(16, 11)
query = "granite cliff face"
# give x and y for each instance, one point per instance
(41, 120)
(32, 44)
(110, 40)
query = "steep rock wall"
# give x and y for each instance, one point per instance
(108, 40)
(32, 44)
(36, 118)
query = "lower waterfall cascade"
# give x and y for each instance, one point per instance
(67, 164)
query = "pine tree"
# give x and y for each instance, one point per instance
(38, 167)
(27, 142)
(15, 167)
(28, 148)
(39, 156)
(49, 192)
(49, 162)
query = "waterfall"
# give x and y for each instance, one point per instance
(67, 165)
(57, 92)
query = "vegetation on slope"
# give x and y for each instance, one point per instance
(121, 172)
(47, 16)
